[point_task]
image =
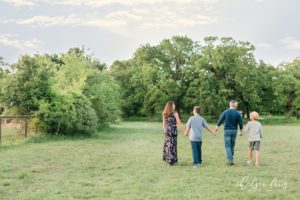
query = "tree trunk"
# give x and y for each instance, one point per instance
(247, 107)
(288, 114)
(243, 114)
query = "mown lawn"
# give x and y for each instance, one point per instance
(124, 162)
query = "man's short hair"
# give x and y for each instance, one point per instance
(233, 102)
(197, 109)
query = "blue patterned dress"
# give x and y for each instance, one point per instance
(170, 144)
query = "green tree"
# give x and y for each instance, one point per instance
(227, 70)
(104, 93)
(266, 89)
(162, 72)
(286, 86)
(123, 72)
(70, 77)
(27, 84)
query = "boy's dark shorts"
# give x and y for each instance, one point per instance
(254, 145)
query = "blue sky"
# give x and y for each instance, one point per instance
(113, 29)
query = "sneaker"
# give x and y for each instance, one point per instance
(196, 166)
(230, 163)
(249, 162)
(256, 164)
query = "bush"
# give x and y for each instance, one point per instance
(104, 93)
(67, 115)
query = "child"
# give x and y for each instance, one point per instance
(194, 126)
(254, 129)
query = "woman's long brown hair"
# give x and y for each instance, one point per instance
(168, 109)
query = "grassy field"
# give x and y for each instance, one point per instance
(124, 162)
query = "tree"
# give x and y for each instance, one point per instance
(162, 72)
(27, 84)
(287, 88)
(104, 93)
(3, 73)
(226, 70)
(265, 78)
(72, 73)
(123, 72)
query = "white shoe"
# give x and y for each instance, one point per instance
(249, 162)
(196, 166)
(257, 164)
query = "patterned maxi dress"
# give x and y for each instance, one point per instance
(170, 144)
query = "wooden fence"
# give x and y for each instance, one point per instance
(26, 119)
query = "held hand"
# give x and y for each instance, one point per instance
(183, 130)
(216, 129)
(213, 132)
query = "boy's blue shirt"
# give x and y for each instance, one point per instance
(196, 123)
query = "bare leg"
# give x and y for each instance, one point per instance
(257, 154)
(250, 155)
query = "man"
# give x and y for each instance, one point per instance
(231, 118)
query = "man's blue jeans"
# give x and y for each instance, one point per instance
(229, 138)
(197, 152)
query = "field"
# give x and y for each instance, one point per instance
(124, 162)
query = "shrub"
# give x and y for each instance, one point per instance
(67, 115)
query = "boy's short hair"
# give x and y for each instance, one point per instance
(197, 109)
(254, 115)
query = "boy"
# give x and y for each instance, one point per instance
(254, 128)
(194, 126)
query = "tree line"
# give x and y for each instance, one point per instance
(73, 92)
(207, 74)
(69, 93)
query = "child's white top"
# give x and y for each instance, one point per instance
(254, 128)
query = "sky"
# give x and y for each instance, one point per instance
(113, 29)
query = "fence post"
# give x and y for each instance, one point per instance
(0, 130)
(26, 126)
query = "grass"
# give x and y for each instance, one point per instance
(124, 162)
(265, 119)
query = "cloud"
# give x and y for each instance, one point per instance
(263, 45)
(138, 18)
(101, 3)
(291, 43)
(133, 14)
(71, 20)
(131, 3)
(20, 3)
(13, 41)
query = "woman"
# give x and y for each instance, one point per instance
(170, 121)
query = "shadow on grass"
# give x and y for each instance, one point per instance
(116, 132)
(101, 135)
(107, 133)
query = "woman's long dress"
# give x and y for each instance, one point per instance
(170, 144)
